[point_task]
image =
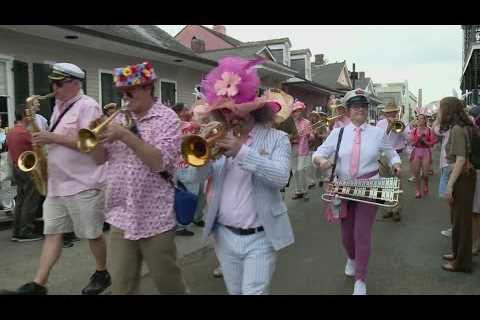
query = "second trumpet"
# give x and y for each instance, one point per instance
(88, 139)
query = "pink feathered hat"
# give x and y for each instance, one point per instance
(233, 85)
(298, 105)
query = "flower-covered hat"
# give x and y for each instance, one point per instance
(134, 75)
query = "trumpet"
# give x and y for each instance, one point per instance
(198, 149)
(88, 138)
(320, 124)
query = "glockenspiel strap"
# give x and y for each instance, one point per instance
(336, 153)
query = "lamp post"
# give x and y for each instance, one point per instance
(353, 76)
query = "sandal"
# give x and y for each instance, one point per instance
(448, 257)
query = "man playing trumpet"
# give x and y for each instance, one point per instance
(139, 196)
(398, 136)
(246, 214)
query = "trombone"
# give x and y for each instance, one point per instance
(88, 139)
(396, 125)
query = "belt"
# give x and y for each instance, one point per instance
(244, 232)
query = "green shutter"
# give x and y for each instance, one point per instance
(168, 93)
(41, 86)
(109, 92)
(20, 81)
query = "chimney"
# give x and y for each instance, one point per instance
(319, 59)
(220, 29)
(361, 75)
(197, 45)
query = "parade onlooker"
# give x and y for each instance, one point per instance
(75, 198)
(423, 139)
(359, 149)
(460, 184)
(445, 168)
(300, 160)
(139, 197)
(28, 200)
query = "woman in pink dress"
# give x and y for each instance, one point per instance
(422, 139)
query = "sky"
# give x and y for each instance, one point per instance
(428, 57)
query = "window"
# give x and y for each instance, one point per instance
(3, 94)
(168, 92)
(108, 91)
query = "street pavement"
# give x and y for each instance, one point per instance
(406, 255)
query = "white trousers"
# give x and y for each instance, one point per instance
(302, 169)
(247, 262)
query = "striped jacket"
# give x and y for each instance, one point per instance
(268, 159)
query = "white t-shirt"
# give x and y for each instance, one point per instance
(42, 123)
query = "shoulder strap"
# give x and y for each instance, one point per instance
(54, 126)
(339, 141)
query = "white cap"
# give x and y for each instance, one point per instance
(354, 94)
(66, 70)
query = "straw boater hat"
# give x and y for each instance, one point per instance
(391, 107)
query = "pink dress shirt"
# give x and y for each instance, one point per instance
(304, 126)
(398, 141)
(237, 208)
(138, 200)
(69, 171)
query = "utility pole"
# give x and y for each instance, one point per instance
(353, 76)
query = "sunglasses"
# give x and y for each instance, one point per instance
(60, 83)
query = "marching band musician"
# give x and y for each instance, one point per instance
(359, 150)
(246, 214)
(139, 196)
(75, 198)
(300, 160)
(338, 109)
(399, 142)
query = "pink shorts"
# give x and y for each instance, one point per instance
(420, 154)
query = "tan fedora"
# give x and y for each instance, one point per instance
(391, 107)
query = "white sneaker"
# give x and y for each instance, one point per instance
(350, 268)
(360, 288)
(412, 179)
(447, 233)
(217, 273)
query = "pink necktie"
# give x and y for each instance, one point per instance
(355, 159)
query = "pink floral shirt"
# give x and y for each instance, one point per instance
(305, 128)
(138, 200)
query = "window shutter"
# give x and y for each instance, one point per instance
(168, 93)
(109, 92)
(41, 86)
(20, 80)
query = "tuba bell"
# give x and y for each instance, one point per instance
(198, 149)
(88, 139)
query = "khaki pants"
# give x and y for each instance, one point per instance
(160, 255)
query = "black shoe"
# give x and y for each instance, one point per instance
(99, 281)
(31, 288)
(184, 232)
(200, 223)
(28, 237)
(67, 244)
(312, 186)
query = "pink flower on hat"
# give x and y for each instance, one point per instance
(227, 86)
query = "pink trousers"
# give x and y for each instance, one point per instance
(357, 235)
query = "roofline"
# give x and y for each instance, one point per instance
(215, 34)
(182, 30)
(314, 84)
(235, 48)
(99, 34)
(267, 42)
